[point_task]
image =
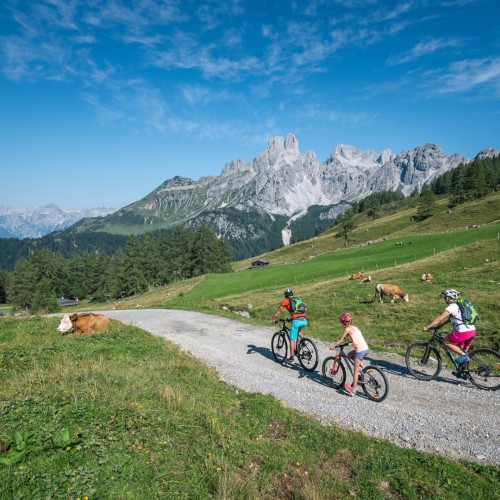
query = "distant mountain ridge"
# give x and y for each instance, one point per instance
(38, 221)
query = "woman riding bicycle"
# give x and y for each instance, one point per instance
(299, 321)
(462, 333)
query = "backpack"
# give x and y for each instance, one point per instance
(468, 311)
(297, 305)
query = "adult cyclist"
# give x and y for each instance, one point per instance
(462, 333)
(299, 321)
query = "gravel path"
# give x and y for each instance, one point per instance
(444, 416)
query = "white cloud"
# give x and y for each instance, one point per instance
(480, 75)
(424, 48)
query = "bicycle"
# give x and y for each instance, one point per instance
(424, 362)
(373, 381)
(305, 348)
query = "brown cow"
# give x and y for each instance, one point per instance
(368, 279)
(426, 277)
(84, 323)
(393, 291)
(356, 276)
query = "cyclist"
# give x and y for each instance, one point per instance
(462, 333)
(299, 321)
(360, 348)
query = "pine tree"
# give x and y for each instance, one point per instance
(205, 252)
(44, 298)
(128, 270)
(3, 286)
(21, 285)
(347, 225)
(99, 271)
(76, 277)
(426, 203)
(457, 190)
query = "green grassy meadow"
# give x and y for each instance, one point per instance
(127, 415)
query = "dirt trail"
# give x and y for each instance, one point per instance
(445, 416)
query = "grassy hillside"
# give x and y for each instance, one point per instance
(390, 225)
(127, 415)
(318, 270)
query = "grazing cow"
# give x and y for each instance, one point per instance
(356, 276)
(426, 277)
(85, 323)
(368, 279)
(393, 291)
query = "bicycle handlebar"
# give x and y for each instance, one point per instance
(435, 330)
(341, 346)
(285, 320)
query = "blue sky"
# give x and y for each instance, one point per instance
(101, 101)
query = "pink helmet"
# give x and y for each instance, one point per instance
(345, 318)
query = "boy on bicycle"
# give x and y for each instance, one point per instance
(360, 348)
(299, 321)
(462, 333)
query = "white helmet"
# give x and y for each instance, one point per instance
(451, 294)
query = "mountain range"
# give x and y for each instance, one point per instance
(279, 197)
(39, 221)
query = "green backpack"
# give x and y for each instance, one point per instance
(297, 305)
(468, 311)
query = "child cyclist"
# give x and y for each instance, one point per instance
(360, 348)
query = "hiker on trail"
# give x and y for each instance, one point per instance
(299, 320)
(462, 334)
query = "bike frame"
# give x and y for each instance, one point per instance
(285, 329)
(348, 361)
(437, 341)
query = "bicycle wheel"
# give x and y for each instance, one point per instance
(484, 369)
(423, 361)
(279, 346)
(374, 383)
(307, 353)
(334, 372)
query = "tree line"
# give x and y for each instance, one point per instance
(469, 181)
(152, 260)
(466, 182)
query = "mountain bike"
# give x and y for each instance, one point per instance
(305, 348)
(372, 379)
(424, 362)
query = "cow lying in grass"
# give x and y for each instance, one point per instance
(84, 323)
(356, 276)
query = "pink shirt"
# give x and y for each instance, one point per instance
(357, 339)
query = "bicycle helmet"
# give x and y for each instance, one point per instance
(451, 294)
(345, 318)
(288, 292)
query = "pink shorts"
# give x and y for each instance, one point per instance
(460, 338)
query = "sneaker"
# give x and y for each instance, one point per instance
(462, 359)
(290, 359)
(458, 375)
(349, 390)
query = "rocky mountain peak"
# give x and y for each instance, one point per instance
(488, 153)
(288, 143)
